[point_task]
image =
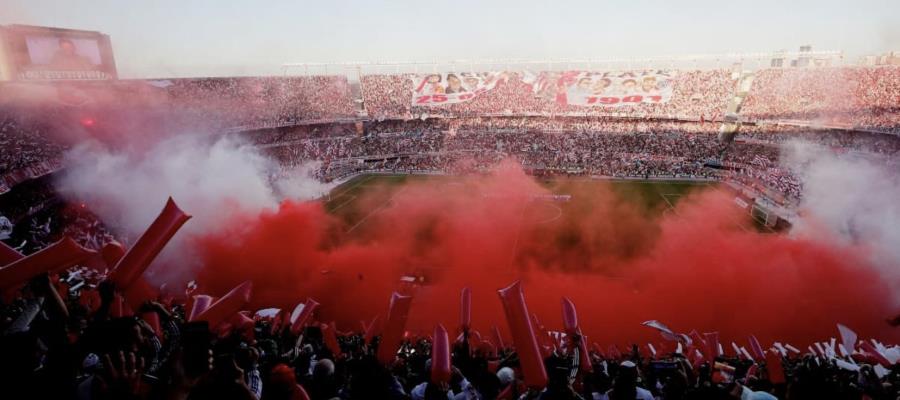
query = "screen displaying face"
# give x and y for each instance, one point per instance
(63, 53)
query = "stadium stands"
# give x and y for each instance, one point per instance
(845, 108)
(856, 97)
(70, 330)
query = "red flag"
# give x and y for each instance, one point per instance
(465, 309)
(370, 330)
(243, 324)
(596, 348)
(664, 331)
(498, 339)
(699, 343)
(751, 372)
(848, 337)
(487, 348)
(227, 306)
(523, 333)
(757, 350)
(201, 303)
(152, 319)
(440, 356)
(393, 330)
(329, 332)
(712, 344)
(774, 367)
(301, 315)
(870, 350)
(696, 339)
(148, 246)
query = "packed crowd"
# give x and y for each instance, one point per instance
(249, 102)
(77, 335)
(319, 114)
(860, 97)
(837, 139)
(37, 216)
(25, 150)
(586, 153)
(696, 94)
(583, 146)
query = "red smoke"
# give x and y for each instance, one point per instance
(698, 268)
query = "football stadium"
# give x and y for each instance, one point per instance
(708, 226)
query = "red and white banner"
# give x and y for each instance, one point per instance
(603, 89)
(451, 87)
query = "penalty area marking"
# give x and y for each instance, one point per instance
(558, 215)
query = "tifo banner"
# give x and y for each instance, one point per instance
(603, 89)
(451, 87)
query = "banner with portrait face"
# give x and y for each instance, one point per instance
(451, 87)
(603, 89)
(43, 54)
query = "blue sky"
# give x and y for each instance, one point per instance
(220, 37)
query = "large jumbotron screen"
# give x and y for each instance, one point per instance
(32, 53)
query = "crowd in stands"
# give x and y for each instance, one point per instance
(320, 112)
(38, 216)
(26, 150)
(68, 335)
(836, 139)
(250, 102)
(859, 97)
(696, 94)
(71, 336)
(584, 146)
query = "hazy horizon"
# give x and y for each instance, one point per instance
(208, 38)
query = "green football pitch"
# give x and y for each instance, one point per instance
(653, 197)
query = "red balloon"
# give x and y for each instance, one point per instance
(465, 308)
(393, 330)
(148, 246)
(524, 338)
(584, 355)
(227, 306)
(8, 254)
(56, 257)
(570, 317)
(440, 356)
(139, 292)
(112, 252)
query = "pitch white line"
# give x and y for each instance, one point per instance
(351, 198)
(376, 210)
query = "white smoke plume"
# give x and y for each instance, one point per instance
(209, 178)
(853, 196)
